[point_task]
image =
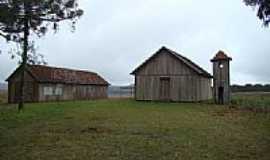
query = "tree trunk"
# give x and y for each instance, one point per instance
(24, 60)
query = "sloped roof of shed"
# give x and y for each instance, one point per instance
(47, 74)
(183, 59)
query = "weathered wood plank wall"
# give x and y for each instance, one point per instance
(222, 79)
(73, 92)
(30, 89)
(34, 91)
(185, 84)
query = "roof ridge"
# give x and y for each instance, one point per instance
(197, 67)
(69, 69)
(44, 73)
(187, 61)
(195, 64)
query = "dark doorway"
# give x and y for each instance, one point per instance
(221, 95)
(17, 92)
(164, 90)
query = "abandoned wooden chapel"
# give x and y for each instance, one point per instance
(45, 83)
(169, 76)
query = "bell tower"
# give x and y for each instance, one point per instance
(221, 73)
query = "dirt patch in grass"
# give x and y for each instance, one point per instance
(224, 113)
(96, 130)
(147, 134)
(253, 109)
(78, 130)
(230, 113)
(236, 111)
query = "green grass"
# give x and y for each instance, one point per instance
(126, 129)
(253, 101)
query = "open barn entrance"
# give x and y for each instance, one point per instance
(164, 90)
(221, 95)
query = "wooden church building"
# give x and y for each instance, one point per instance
(169, 76)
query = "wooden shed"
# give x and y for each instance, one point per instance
(44, 83)
(169, 76)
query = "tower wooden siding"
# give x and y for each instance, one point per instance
(185, 84)
(221, 78)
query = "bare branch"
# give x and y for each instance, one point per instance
(52, 19)
(11, 30)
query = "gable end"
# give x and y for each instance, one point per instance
(196, 68)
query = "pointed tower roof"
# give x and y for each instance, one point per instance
(221, 56)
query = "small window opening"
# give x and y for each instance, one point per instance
(221, 65)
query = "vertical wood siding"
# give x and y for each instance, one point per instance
(34, 92)
(185, 84)
(30, 89)
(222, 79)
(74, 92)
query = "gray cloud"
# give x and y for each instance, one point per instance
(113, 37)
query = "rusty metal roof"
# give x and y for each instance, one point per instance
(183, 59)
(47, 74)
(221, 56)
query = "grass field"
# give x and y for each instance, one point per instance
(126, 129)
(254, 101)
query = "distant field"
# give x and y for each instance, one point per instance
(3, 96)
(256, 101)
(126, 129)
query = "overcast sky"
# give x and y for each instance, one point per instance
(113, 37)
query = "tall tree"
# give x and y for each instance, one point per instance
(263, 7)
(21, 20)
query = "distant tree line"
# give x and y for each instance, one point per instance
(251, 88)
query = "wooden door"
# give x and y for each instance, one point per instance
(164, 90)
(221, 95)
